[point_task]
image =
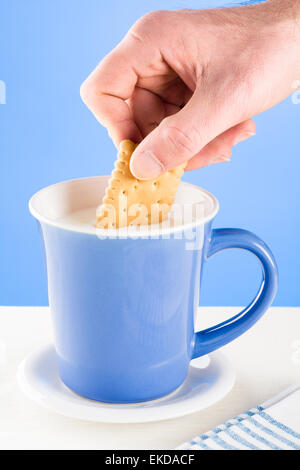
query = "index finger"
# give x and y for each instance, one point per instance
(108, 87)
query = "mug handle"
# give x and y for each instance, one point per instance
(213, 338)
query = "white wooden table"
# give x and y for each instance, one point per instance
(266, 359)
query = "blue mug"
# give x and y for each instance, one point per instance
(123, 307)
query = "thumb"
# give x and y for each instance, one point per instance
(177, 139)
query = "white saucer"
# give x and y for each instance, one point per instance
(209, 379)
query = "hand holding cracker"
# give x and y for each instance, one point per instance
(185, 89)
(129, 201)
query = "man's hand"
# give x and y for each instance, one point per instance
(186, 83)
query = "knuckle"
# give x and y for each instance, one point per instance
(85, 92)
(90, 92)
(178, 140)
(151, 19)
(221, 147)
(226, 152)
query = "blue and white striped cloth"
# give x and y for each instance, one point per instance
(275, 425)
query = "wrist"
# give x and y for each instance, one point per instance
(288, 24)
(281, 20)
(285, 15)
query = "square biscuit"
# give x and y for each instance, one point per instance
(129, 201)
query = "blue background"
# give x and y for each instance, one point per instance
(47, 48)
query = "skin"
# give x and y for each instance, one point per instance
(185, 84)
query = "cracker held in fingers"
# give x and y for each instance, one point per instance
(131, 202)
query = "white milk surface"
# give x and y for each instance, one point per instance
(190, 205)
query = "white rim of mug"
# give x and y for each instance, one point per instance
(122, 232)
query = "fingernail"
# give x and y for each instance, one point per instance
(145, 166)
(243, 136)
(220, 159)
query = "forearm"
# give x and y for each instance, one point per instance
(286, 16)
(274, 25)
(284, 8)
